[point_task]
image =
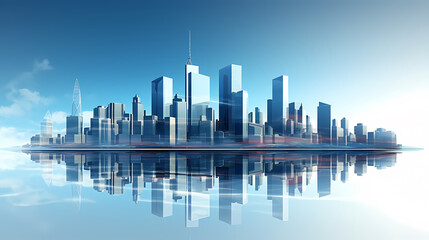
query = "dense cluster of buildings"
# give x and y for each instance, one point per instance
(177, 121)
(187, 178)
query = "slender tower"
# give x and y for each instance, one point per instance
(77, 104)
(189, 68)
(74, 122)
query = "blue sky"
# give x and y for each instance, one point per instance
(368, 59)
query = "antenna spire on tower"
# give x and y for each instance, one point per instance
(189, 56)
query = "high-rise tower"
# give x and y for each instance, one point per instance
(77, 104)
(279, 103)
(189, 68)
(324, 123)
(74, 122)
(229, 82)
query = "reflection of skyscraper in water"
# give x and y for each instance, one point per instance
(178, 183)
(100, 169)
(278, 189)
(74, 174)
(46, 129)
(189, 176)
(256, 169)
(199, 180)
(361, 164)
(233, 177)
(137, 176)
(46, 163)
(162, 204)
(345, 172)
(324, 175)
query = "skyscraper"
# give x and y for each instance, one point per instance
(74, 128)
(324, 122)
(46, 129)
(279, 103)
(240, 120)
(115, 112)
(138, 113)
(178, 111)
(138, 119)
(189, 68)
(101, 127)
(77, 102)
(162, 93)
(337, 134)
(259, 116)
(199, 100)
(74, 122)
(46, 126)
(297, 115)
(229, 82)
(345, 126)
(361, 133)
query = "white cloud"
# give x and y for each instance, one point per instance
(59, 117)
(11, 137)
(22, 100)
(26, 77)
(42, 65)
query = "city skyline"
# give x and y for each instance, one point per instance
(287, 123)
(341, 62)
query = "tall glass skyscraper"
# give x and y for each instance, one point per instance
(239, 116)
(74, 127)
(259, 116)
(279, 103)
(162, 93)
(345, 126)
(361, 133)
(189, 68)
(229, 82)
(116, 112)
(46, 126)
(178, 111)
(324, 122)
(199, 100)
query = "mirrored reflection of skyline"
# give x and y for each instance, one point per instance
(186, 178)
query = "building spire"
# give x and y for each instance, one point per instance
(189, 56)
(77, 105)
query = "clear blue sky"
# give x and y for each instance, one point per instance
(361, 57)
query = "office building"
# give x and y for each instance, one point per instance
(361, 133)
(46, 129)
(239, 115)
(229, 82)
(162, 93)
(199, 101)
(259, 116)
(178, 111)
(324, 123)
(115, 112)
(138, 112)
(279, 103)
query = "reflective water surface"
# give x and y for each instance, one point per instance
(212, 195)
